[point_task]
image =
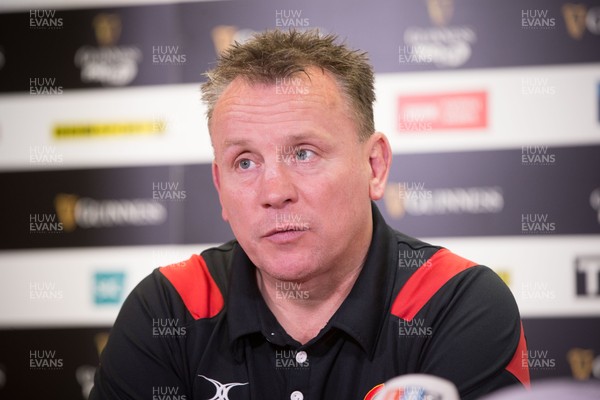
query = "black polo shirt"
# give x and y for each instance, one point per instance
(201, 330)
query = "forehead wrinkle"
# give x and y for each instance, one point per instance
(261, 102)
(256, 114)
(262, 117)
(242, 92)
(253, 103)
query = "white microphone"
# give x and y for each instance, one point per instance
(418, 387)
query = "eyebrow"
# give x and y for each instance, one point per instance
(293, 138)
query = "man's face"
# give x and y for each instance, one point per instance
(294, 181)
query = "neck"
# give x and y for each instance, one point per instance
(304, 308)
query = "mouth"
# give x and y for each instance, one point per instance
(283, 236)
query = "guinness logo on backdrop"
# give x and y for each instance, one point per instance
(84, 212)
(107, 28)
(107, 63)
(440, 11)
(442, 45)
(393, 198)
(581, 361)
(413, 199)
(224, 36)
(575, 15)
(100, 339)
(65, 210)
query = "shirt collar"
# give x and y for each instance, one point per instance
(361, 315)
(247, 312)
(363, 312)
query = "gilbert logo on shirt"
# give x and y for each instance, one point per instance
(223, 389)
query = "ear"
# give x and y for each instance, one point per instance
(217, 182)
(380, 160)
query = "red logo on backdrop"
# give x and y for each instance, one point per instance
(462, 110)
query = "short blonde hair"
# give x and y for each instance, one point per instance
(277, 54)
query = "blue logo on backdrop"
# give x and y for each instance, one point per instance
(109, 287)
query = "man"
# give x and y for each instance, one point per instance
(314, 299)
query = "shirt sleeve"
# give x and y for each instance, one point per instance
(477, 340)
(144, 352)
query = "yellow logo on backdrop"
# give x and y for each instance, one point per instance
(575, 15)
(67, 131)
(581, 361)
(440, 11)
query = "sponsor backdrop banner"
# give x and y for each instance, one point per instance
(93, 198)
(62, 362)
(532, 190)
(50, 363)
(536, 190)
(549, 276)
(161, 44)
(113, 207)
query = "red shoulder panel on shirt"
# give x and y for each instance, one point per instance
(195, 285)
(519, 365)
(426, 281)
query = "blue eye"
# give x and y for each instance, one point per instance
(303, 154)
(245, 163)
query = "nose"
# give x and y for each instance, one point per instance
(278, 187)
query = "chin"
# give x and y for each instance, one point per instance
(288, 270)
(286, 264)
